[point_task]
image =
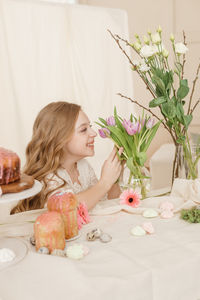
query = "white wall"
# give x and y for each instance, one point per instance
(173, 16)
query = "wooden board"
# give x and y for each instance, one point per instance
(25, 182)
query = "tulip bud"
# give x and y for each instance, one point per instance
(104, 132)
(110, 121)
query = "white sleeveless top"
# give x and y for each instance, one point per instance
(87, 178)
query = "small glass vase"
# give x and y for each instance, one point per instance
(141, 185)
(186, 161)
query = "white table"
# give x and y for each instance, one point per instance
(162, 266)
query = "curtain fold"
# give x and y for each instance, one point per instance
(51, 52)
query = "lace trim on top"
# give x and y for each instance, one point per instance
(87, 178)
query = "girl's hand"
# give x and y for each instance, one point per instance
(111, 168)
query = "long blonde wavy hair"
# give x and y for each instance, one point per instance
(52, 129)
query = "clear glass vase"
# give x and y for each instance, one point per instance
(142, 184)
(186, 161)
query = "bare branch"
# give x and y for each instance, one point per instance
(147, 109)
(184, 60)
(192, 110)
(116, 38)
(193, 88)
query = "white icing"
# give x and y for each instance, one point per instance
(6, 255)
(1, 191)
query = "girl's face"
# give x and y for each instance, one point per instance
(82, 141)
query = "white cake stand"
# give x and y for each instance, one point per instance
(13, 197)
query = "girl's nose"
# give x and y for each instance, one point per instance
(92, 132)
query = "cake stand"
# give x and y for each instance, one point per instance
(13, 197)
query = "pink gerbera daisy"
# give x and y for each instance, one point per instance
(82, 215)
(130, 197)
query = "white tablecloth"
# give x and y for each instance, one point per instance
(161, 266)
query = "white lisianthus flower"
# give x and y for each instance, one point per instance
(135, 62)
(180, 48)
(165, 53)
(143, 67)
(147, 51)
(156, 38)
(137, 46)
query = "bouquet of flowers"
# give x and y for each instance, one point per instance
(161, 80)
(135, 136)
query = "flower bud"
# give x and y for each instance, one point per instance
(172, 38)
(159, 30)
(104, 132)
(165, 53)
(156, 38)
(149, 32)
(137, 46)
(110, 121)
(146, 40)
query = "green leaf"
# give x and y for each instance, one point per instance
(184, 82)
(169, 110)
(183, 90)
(122, 138)
(180, 112)
(159, 84)
(131, 166)
(103, 121)
(141, 157)
(151, 136)
(187, 120)
(157, 101)
(169, 124)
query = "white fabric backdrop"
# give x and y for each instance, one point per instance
(51, 52)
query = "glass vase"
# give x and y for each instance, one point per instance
(140, 184)
(186, 161)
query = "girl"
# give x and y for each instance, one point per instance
(62, 138)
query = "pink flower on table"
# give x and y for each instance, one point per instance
(104, 132)
(131, 128)
(150, 123)
(110, 121)
(82, 215)
(130, 197)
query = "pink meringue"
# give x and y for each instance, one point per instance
(167, 214)
(167, 206)
(148, 227)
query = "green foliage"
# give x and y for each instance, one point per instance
(157, 101)
(191, 215)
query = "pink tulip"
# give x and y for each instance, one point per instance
(104, 132)
(150, 123)
(131, 128)
(110, 121)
